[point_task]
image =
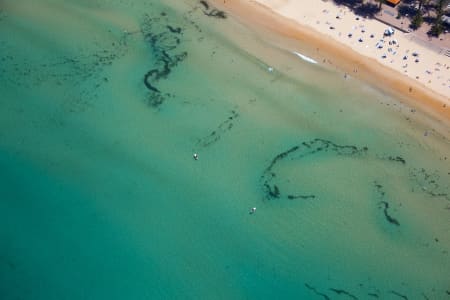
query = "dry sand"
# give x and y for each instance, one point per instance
(337, 38)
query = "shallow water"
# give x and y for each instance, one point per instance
(101, 197)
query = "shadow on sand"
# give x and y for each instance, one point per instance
(368, 10)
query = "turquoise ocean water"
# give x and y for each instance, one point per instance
(103, 104)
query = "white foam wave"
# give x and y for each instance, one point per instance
(305, 58)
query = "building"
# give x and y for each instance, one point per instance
(393, 2)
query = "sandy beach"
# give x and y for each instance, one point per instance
(356, 46)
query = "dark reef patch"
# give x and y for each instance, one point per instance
(216, 13)
(270, 176)
(343, 292)
(292, 197)
(79, 73)
(397, 159)
(384, 204)
(399, 295)
(147, 81)
(388, 217)
(164, 41)
(174, 29)
(217, 133)
(430, 183)
(212, 12)
(272, 191)
(205, 4)
(315, 291)
(72, 70)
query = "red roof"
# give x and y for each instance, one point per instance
(395, 2)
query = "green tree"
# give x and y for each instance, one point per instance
(438, 26)
(422, 3)
(440, 5)
(379, 4)
(417, 21)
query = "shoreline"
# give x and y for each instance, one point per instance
(272, 24)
